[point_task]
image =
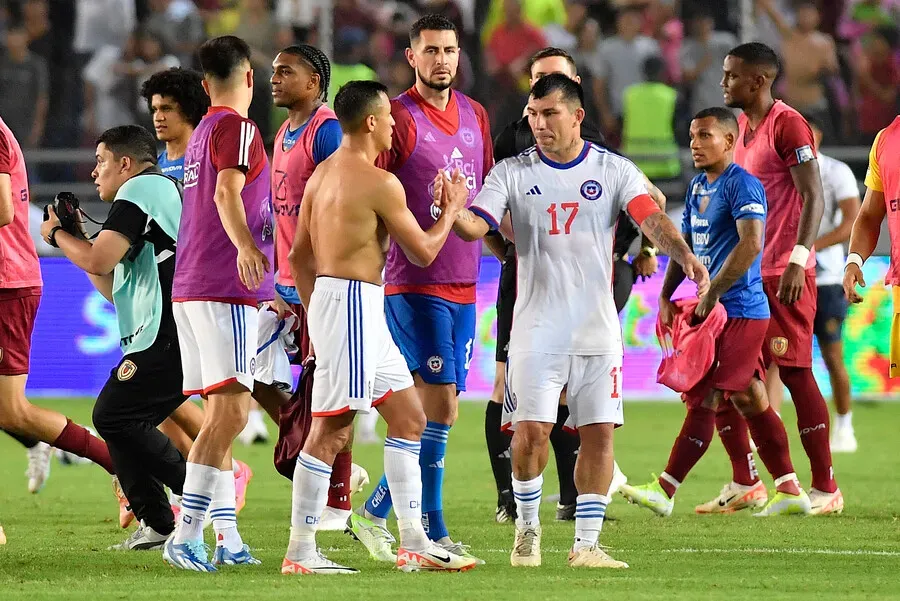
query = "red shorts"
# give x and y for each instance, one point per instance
(790, 338)
(301, 335)
(19, 307)
(739, 358)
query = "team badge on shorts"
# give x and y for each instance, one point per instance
(779, 346)
(253, 366)
(126, 370)
(435, 364)
(591, 189)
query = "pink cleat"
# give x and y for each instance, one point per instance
(242, 476)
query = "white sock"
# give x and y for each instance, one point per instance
(675, 483)
(312, 477)
(404, 476)
(223, 515)
(255, 418)
(367, 423)
(528, 500)
(199, 487)
(844, 421)
(589, 513)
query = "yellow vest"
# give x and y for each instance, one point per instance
(648, 111)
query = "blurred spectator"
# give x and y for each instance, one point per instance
(765, 29)
(398, 77)
(808, 57)
(349, 53)
(565, 35)
(300, 15)
(36, 19)
(648, 123)
(100, 23)
(354, 13)
(109, 91)
(539, 13)
(668, 31)
(877, 78)
(511, 46)
(702, 55)
(445, 8)
(221, 17)
(152, 59)
(25, 84)
(178, 24)
(619, 63)
(863, 16)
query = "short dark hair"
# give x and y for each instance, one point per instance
(182, 85)
(131, 141)
(431, 22)
(557, 82)
(653, 68)
(550, 52)
(722, 115)
(319, 63)
(221, 56)
(355, 101)
(757, 54)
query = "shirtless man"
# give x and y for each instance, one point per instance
(349, 209)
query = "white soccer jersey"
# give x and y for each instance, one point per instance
(564, 218)
(838, 183)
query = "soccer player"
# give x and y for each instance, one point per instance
(776, 145)
(431, 310)
(841, 207)
(348, 210)
(20, 295)
(220, 275)
(516, 138)
(724, 222)
(565, 329)
(131, 263)
(880, 202)
(300, 77)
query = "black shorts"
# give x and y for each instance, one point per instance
(506, 300)
(623, 282)
(145, 386)
(831, 311)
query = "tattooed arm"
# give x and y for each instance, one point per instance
(660, 229)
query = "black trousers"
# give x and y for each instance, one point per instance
(142, 390)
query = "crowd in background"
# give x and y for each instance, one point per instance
(72, 68)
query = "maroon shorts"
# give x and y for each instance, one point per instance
(789, 340)
(739, 358)
(19, 307)
(301, 336)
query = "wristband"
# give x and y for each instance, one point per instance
(649, 251)
(854, 258)
(799, 255)
(51, 237)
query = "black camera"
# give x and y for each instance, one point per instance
(65, 205)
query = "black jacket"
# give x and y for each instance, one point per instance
(517, 137)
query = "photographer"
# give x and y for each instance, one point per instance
(131, 263)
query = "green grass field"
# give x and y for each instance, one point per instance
(58, 538)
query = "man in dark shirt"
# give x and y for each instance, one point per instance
(24, 81)
(513, 140)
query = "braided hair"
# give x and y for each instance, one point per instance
(319, 63)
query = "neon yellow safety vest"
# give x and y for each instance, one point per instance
(648, 112)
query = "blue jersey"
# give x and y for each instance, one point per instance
(734, 195)
(173, 168)
(327, 140)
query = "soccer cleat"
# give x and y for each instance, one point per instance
(618, 479)
(376, 539)
(593, 557)
(144, 538)
(785, 504)
(650, 495)
(458, 548)
(824, 503)
(242, 476)
(333, 519)
(126, 516)
(224, 557)
(526, 551)
(190, 555)
(38, 466)
(565, 513)
(317, 564)
(735, 497)
(433, 558)
(359, 478)
(506, 508)
(2, 536)
(843, 440)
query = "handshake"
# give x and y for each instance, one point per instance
(64, 211)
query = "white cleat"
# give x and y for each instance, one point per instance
(824, 503)
(618, 479)
(333, 519)
(359, 478)
(38, 466)
(433, 558)
(317, 564)
(144, 538)
(735, 497)
(594, 557)
(843, 440)
(526, 551)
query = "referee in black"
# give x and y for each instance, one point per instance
(513, 140)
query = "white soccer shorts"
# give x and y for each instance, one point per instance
(358, 365)
(275, 340)
(534, 382)
(218, 344)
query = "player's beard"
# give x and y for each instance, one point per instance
(439, 86)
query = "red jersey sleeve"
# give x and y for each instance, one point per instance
(793, 139)
(235, 143)
(487, 141)
(6, 155)
(402, 142)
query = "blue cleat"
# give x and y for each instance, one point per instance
(224, 557)
(191, 555)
